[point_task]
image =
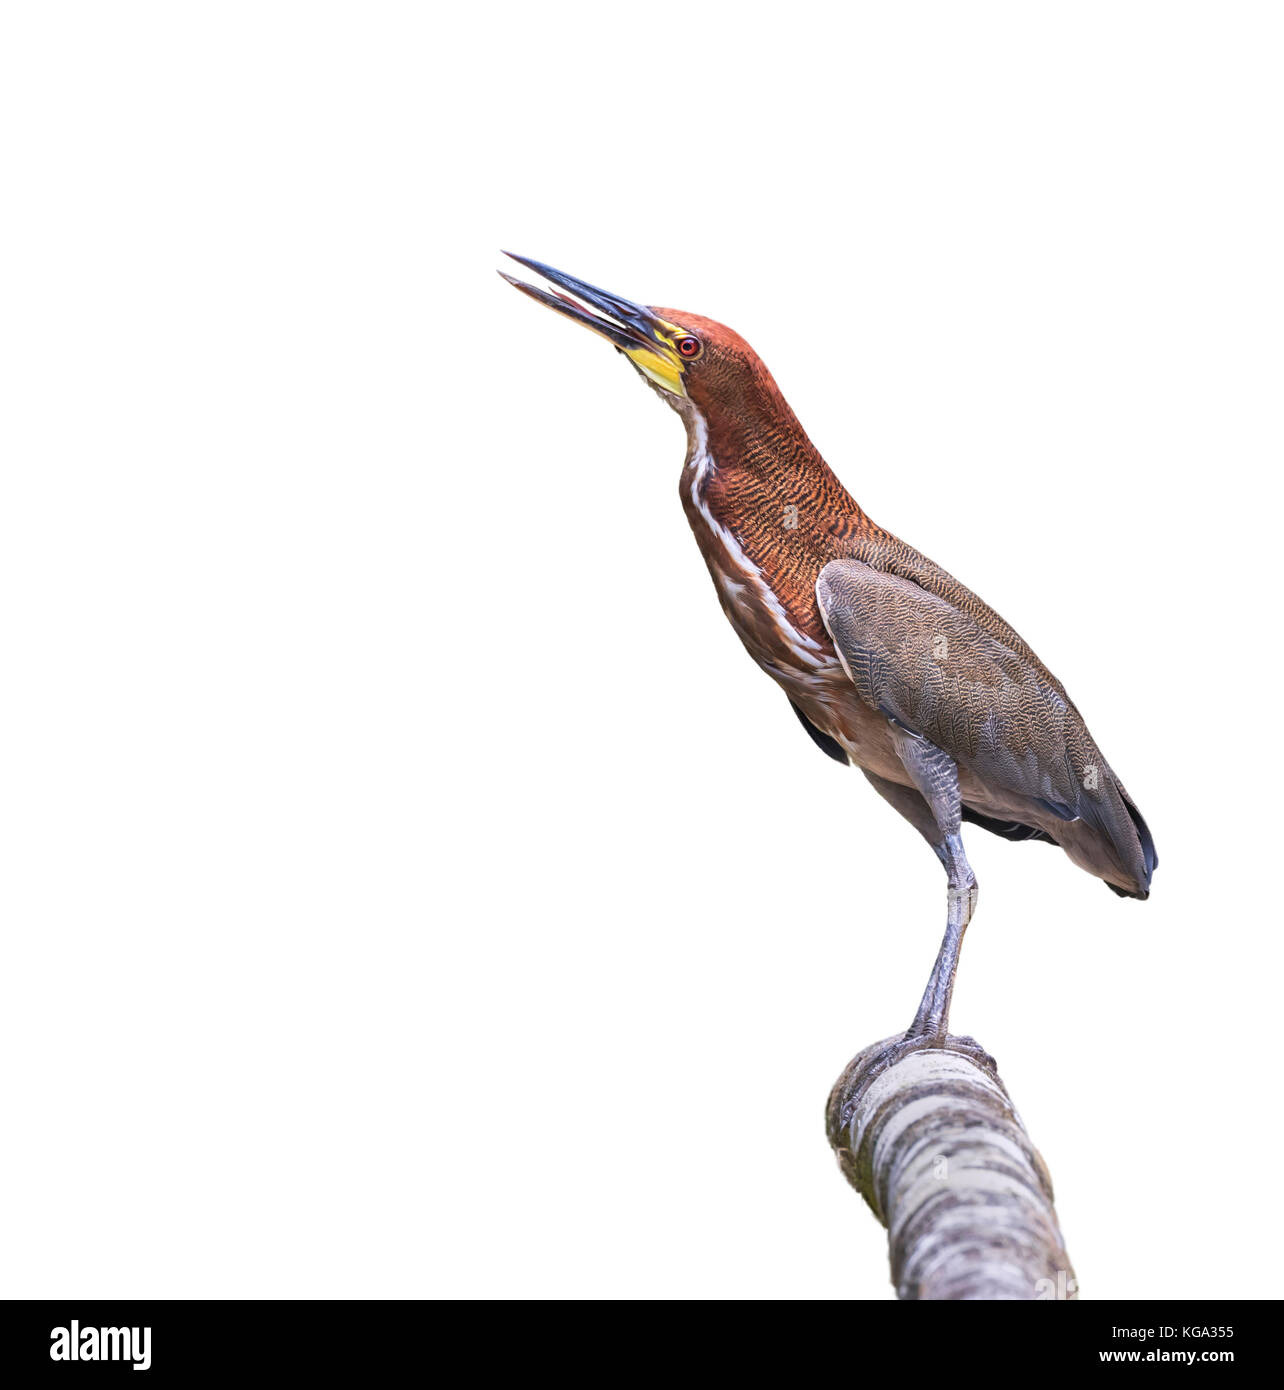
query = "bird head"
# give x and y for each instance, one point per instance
(690, 361)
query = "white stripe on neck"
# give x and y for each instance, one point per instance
(702, 466)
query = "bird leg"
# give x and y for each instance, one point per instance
(933, 1016)
(935, 775)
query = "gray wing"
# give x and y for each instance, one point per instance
(1019, 743)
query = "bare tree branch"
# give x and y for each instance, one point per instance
(928, 1135)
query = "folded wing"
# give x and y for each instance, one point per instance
(1025, 756)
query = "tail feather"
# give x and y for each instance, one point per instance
(1133, 843)
(1149, 857)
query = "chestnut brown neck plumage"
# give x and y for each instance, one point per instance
(752, 467)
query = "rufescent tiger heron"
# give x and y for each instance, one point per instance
(888, 661)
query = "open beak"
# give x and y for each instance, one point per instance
(639, 333)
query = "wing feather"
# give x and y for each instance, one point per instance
(917, 658)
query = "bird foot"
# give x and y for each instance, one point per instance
(865, 1068)
(895, 1050)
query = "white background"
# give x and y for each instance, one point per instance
(410, 886)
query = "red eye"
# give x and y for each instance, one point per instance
(688, 347)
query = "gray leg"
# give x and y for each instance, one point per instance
(935, 810)
(933, 1016)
